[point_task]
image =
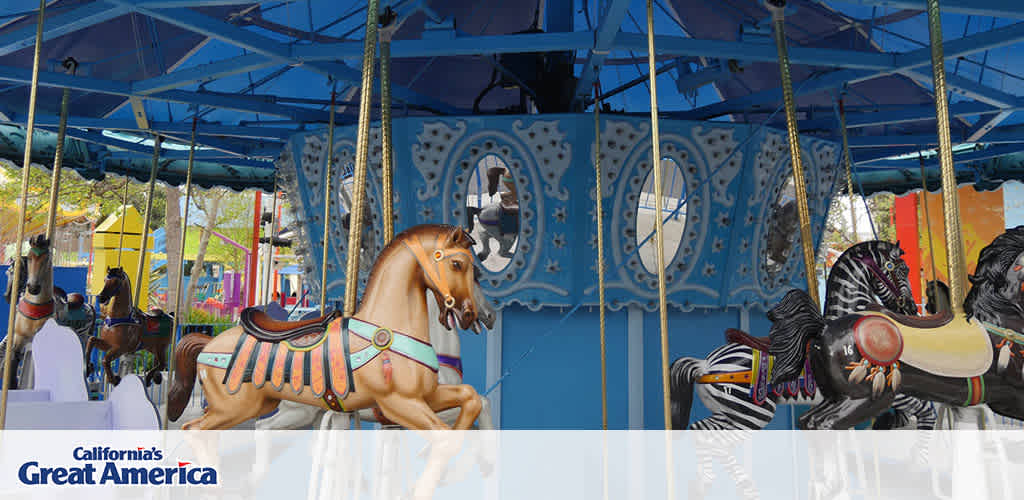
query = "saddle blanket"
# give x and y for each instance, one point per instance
(761, 374)
(317, 360)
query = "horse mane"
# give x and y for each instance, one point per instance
(795, 320)
(397, 243)
(990, 275)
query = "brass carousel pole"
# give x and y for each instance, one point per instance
(599, 215)
(157, 141)
(58, 155)
(355, 227)
(955, 262)
(327, 207)
(847, 161)
(777, 7)
(181, 255)
(927, 216)
(269, 261)
(387, 153)
(124, 210)
(26, 165)
(658, 225)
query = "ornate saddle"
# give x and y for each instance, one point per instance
(735, 336)
(261, 325)
(944, 344)
(155, 322)
(930, 321)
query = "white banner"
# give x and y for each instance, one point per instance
(532, 465)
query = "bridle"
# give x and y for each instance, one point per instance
(433, 267)
(872, 266)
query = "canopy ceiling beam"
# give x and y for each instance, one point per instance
(990, 8)
(59, 25)
(959, 158)
(275, 135)
(892, 115)
(602, 40)
(216, 100)
(905, 62)
(203, 73)
(279, 52)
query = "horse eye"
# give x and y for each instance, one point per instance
(457, 265)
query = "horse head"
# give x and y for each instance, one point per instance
(114, 284)
(10, 278)
(889, 273)
(452, 274)
(997, 293)
(39, 270)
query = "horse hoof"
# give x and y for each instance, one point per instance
(115, 380)
(158, 378)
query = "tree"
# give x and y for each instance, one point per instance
(208, 203)
(172, 229)
(76, 193)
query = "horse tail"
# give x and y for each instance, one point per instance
(795, 321)
(185, 355)
(682, 375)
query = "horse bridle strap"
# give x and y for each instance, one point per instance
(131, 319)
(873, 268)
(31, 310)
(432, 266)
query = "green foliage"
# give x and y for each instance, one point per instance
(99, 197)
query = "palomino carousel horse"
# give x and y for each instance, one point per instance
(862, 360)
(38, 300)
(733, 382)
(392, 364)
(448, 347)
(126, 329)
(499, 221)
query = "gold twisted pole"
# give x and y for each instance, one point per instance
(658, 225)
(176, 321)
(144, 240)
(847, 161)
(387, 154)
(124, 211)
(269, 262)
(26, 164)
(799, 181)
(355, 227)
(58, 154)
(955, 262)
(327, 207)
(599, 215)
(927, 217)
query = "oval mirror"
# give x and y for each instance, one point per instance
(492, 212)
(673, 190)
(783, 228)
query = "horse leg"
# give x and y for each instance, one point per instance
(411, 413)
(463, 396)
(505, 248)
(113, 353)
(160, 363)
(847, 412)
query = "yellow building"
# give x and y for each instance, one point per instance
(105, 242)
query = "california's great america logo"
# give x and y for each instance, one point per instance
(103, 465)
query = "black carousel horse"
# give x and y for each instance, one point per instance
(865, 275)
(861, 361)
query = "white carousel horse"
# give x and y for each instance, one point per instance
(498, 221)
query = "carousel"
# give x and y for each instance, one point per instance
(539, 242)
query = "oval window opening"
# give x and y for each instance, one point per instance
(492, 212)
(783, 229)
(673, 191)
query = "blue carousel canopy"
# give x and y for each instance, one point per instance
(256, 73)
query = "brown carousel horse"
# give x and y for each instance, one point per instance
(246, 371)
(861, 360)
(126, 329)
(35, 299)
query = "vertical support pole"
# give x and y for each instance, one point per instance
(387, 153)
(799, 181)
(658, 224)
(58, 155)
(950, 197)
(254, 254)
(927, 216)
(269, 261)
(327, 207)
(847, 162)
(124, 211)
(176, 322)
(26, 165)
(355, 227)
(157, 140)
(599, 216)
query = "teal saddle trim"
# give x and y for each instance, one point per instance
(384, 339)
(381, 339)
